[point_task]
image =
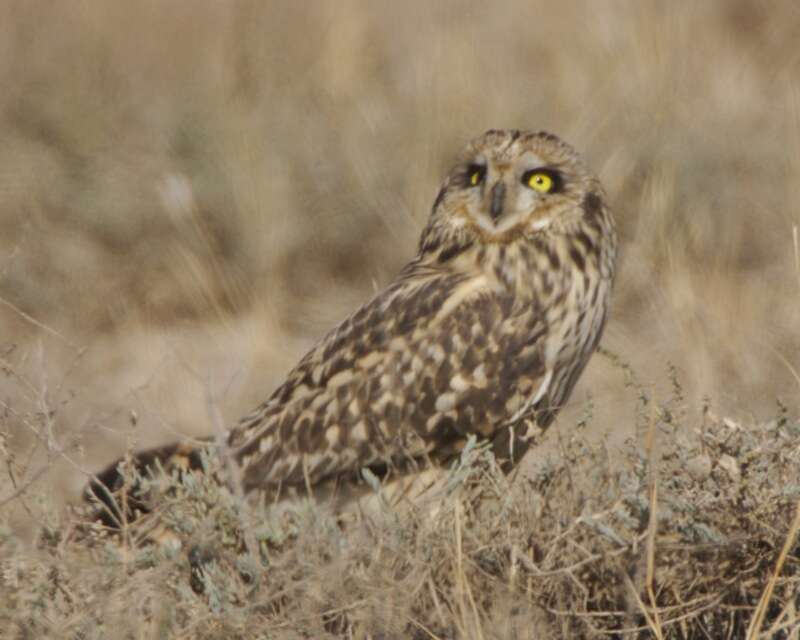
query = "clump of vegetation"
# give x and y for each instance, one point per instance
(691, 535)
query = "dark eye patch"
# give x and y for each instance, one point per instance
(474, 175)
(554, 174)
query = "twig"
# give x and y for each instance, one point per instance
(30, 319)
(424, 629)
(651, 624)
(761, 610)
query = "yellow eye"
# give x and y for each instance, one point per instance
(475, 173)
(540, 181)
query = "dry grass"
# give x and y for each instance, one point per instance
(191, 193)
(583, 546)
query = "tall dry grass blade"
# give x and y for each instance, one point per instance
(462, 585)
(761, 610)
(651, 624)
(652, 525)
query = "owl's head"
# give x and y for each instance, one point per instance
(509, 185)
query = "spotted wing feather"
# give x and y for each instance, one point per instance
(425, 363)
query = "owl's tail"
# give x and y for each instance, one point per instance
(122, 492)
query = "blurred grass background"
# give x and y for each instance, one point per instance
(191, 193)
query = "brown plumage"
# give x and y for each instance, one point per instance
(484, 332)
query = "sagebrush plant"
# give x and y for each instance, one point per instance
(677, 534)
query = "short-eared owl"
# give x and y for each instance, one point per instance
(484, 332)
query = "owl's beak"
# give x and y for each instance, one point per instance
(498, 197)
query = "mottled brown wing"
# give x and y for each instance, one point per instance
(434, 357)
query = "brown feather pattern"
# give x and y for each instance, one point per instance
(488, 328)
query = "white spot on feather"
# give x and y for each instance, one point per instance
(541, 223)
(370, 360)
(332, 435)
(459, 295)
(458, 383)
(341, 378)
(359, 432)
(445, 402)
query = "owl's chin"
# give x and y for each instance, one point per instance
(508, 227)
